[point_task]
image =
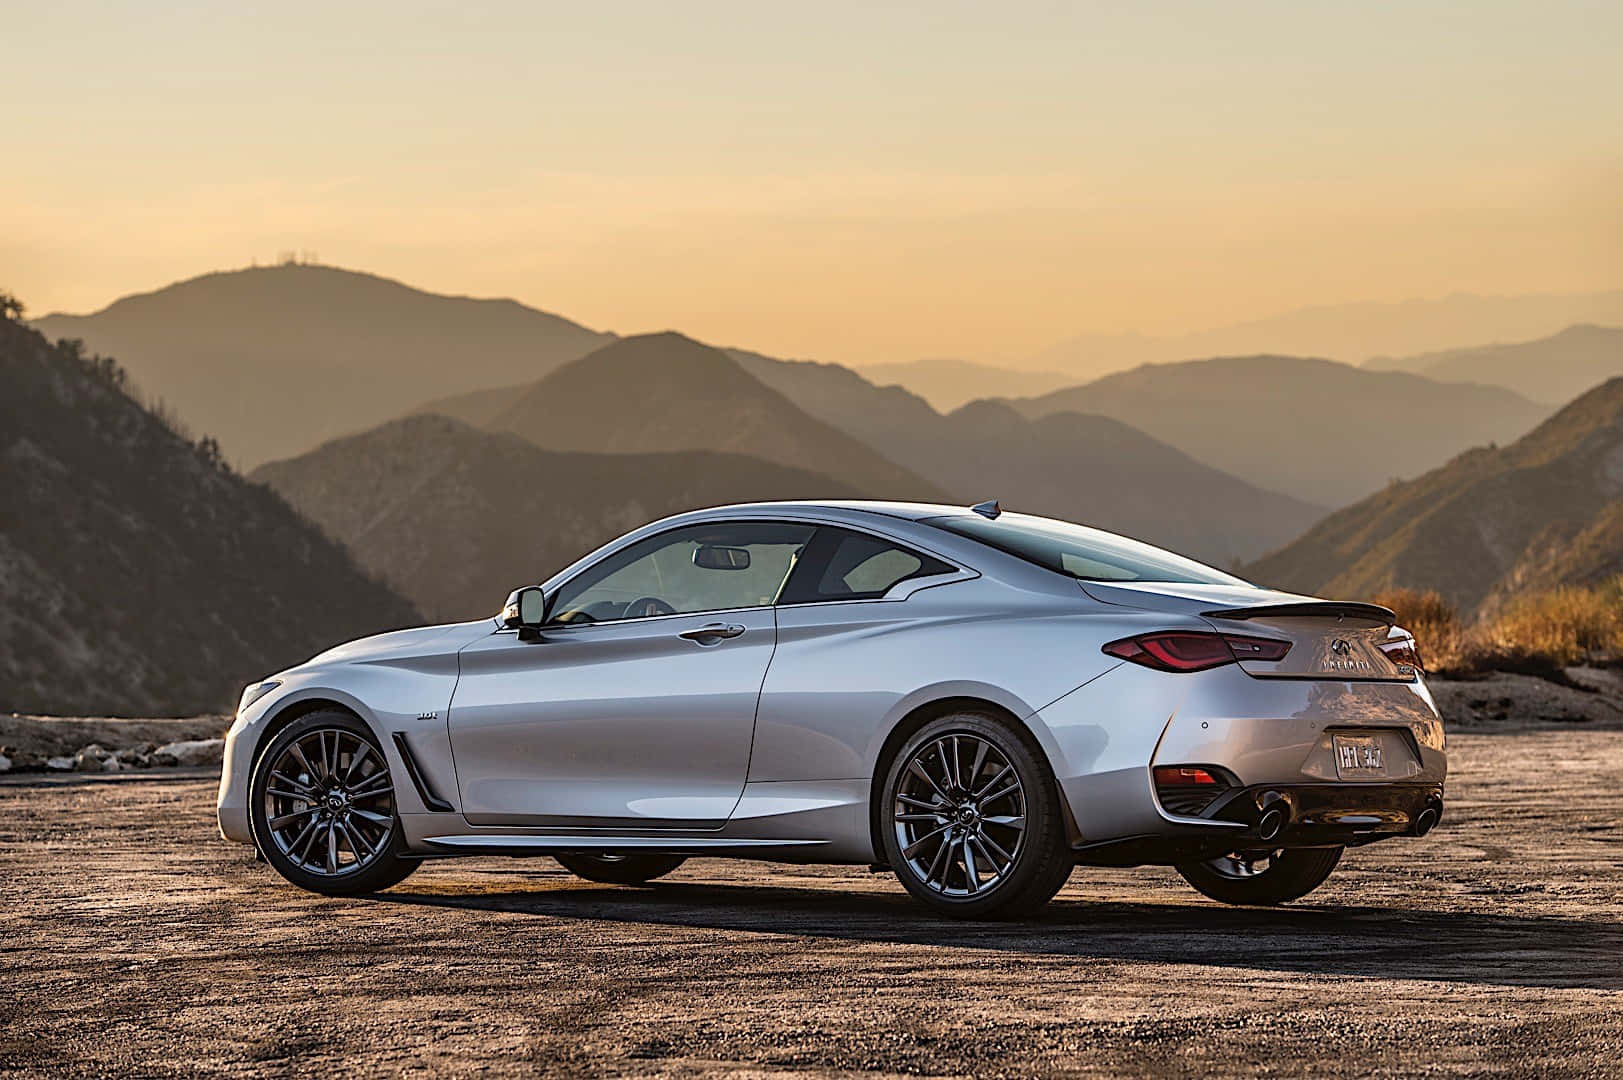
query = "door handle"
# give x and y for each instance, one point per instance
(713, 633)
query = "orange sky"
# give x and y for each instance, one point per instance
(835, 180)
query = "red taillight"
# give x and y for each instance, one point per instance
(1194, 650)
(1403, 651)
(1181, 775)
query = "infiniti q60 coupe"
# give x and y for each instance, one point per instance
(973, 700)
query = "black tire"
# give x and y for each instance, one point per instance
(1041, 858)
(1289, 875)
(636, 869)
(380, 868)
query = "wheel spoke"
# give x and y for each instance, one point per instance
(916, 846)
(1013, 786)
(301, 853)
(1001, 860)
(306, 796)
(291, 781)
(981, 748)
(304, 762)
(919, 804)
(939, 863)
(332, 847)
(972, 878)
(376, 819)
(279, 823)
(916, 767)
(1008, 821)
(980, 796)
(955, 774)
(355, 762)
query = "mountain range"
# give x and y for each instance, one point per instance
(664, 392)
(1351, 333)
(455, 517)
(948, 383)
(1553, 369)
(1544, 511)
(274, 360)
(1322, 431)
(141, 575)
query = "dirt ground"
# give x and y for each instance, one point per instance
(135, 941)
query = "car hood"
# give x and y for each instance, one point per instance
(1188, 599)
(402, 646)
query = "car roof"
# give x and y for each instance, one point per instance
(910, 511)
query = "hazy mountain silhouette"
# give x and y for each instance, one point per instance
(142, 577)
(1348, 332)
(456, 517)
(1551, 369)
(1079, 467)
(1322, 431)
(1546, 510)
(948, 383)
(662, 392)
(277, 359)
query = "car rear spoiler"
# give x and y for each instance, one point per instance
(1317, 608)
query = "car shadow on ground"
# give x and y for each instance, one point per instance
(1391, 943)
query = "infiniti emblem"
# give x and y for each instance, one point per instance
(1341, 646)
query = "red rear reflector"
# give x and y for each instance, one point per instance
(1403, 651)
(1177, 775)
(1194, 650)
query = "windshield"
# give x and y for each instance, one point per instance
(1081, 552)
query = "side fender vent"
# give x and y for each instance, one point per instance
(418, 781)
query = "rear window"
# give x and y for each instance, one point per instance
(840, 564)
(1080, 552)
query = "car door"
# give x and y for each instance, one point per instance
(636, 705)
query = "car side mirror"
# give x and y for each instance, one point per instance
(525, 611)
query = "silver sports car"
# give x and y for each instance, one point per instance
(975, 701)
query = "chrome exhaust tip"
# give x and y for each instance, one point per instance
(1427, 819)
(1273, 821)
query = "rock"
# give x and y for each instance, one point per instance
(193, 752)
(59, 764)
(134, 757)
(90, 759)
(112, 764)
(5, 763)
(24, 760)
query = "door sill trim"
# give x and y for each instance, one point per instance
(488, 842)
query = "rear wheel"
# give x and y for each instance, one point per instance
(972, 820)
(1263, 876)
(322, 808)
(620, 869)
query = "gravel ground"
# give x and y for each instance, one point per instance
(135, 941)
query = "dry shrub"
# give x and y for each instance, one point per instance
(1566, 626)
(1445, 647)
(1538, 634)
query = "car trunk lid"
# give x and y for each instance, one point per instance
(1330, 639)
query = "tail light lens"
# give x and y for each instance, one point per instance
(1402, 651)
(1194, 650)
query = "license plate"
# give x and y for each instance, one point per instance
(1358, 755)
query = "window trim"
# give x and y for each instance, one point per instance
(898, 592)
(685, 526)
(954, 572)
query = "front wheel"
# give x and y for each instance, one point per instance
(1262, 877)
(322, 808)
(620, 869)
(972, 822)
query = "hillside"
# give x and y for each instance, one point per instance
(1543, 511)
(277, 359)
(1553, 369)
(457, 517)
(948, 383)
(656, 393)
(1325, 432)
(1072, 465)
(140, 576)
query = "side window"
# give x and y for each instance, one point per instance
(713, 567)
(841, 564)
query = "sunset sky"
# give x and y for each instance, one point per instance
(849, 181)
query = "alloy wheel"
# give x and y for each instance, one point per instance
(329, 803)
(960, 815)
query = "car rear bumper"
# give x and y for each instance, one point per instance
(1269, 739)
